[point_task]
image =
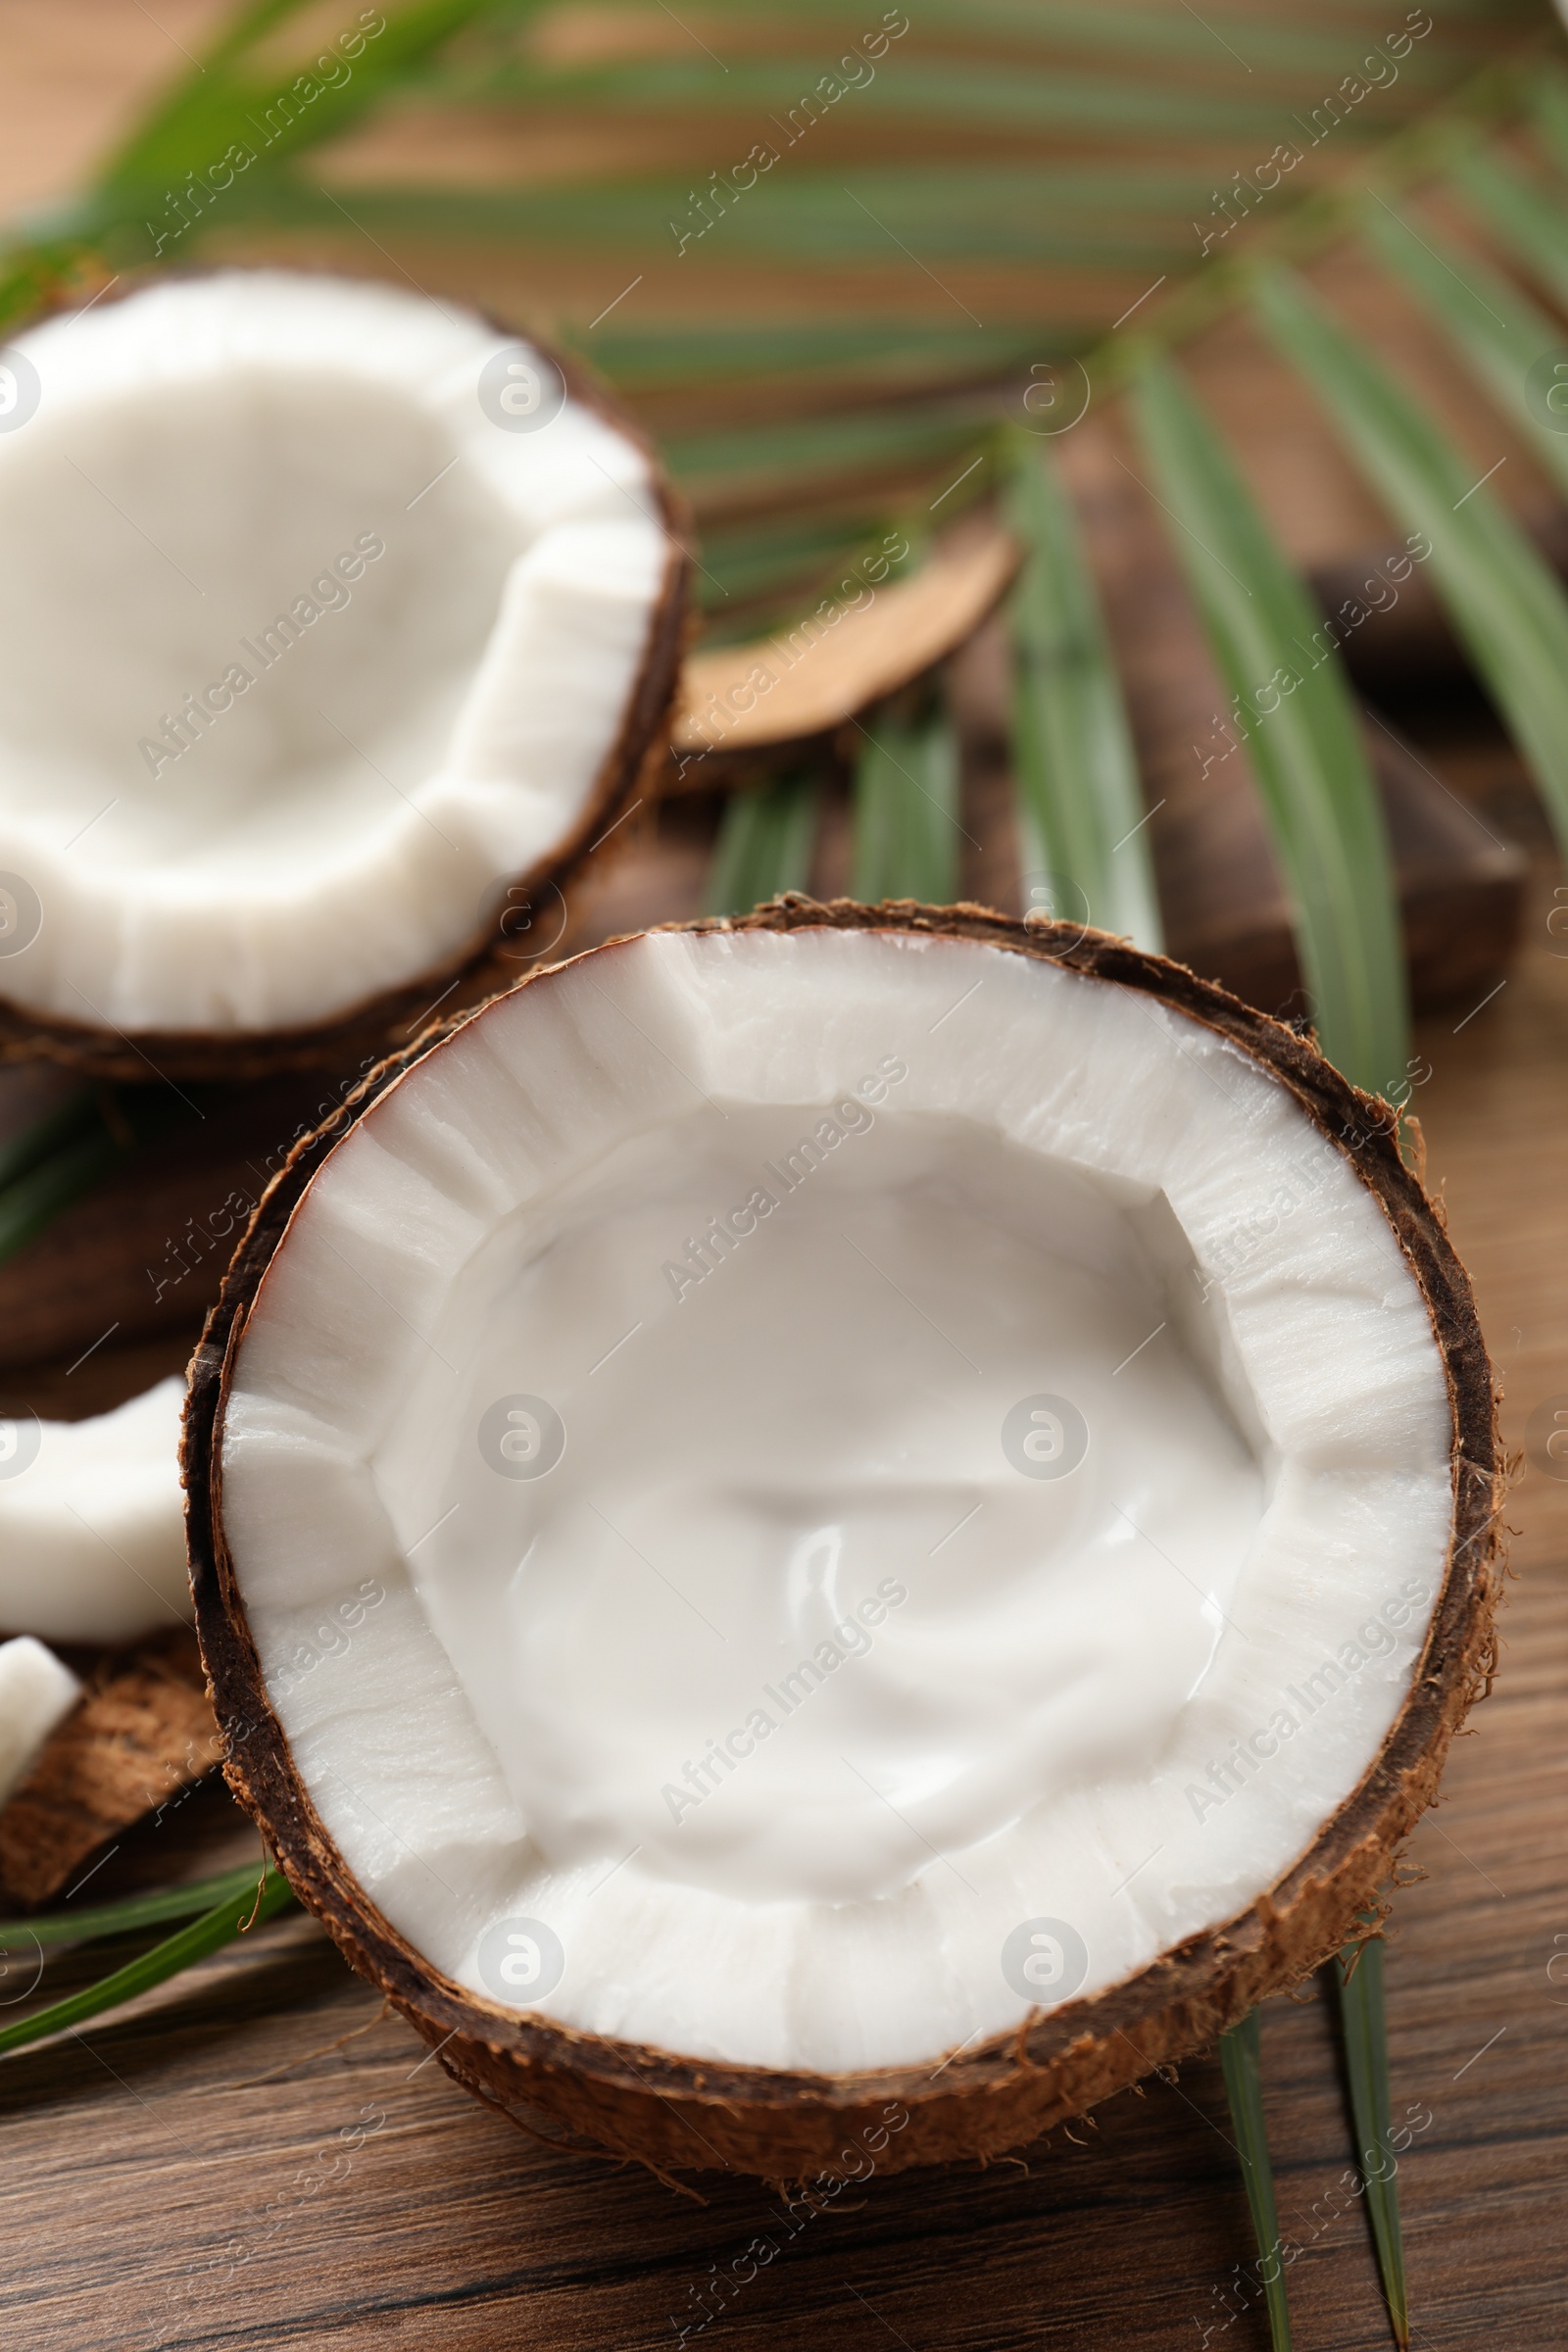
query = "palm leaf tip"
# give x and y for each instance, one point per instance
(1240, 2060)
(232, 1916)
(1363, 2025)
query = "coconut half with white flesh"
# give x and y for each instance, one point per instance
(857, 1521)
(330, 615)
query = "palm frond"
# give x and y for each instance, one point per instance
(1364, 2030)
(907, 809)
(1508, 609)
(827, 352)
(1525, 221)
(1240, 2060)
(747, 466)
(69, 1149)
(951, 89)
(268, 114)
(95, 1921)
(1290, 702)
(796, 434)
(230, 1916)
(1080, 809)
(764, 844)
(1497, 331)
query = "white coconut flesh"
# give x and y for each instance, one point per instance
(92, 1529)
(38, 1691)
(304, 648)
(827, 1652)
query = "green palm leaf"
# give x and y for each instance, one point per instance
(1240, 2060)
(1506, 607)
(911, 352)
(1080, 807)
(945, 210)
(1549, 97)
(764, 844)
(907, 809)
(743, 464)
(62, 1154)
(1303, 50)
(269, 113)
(952, 89)
(1324, 813)
(228, 1917)
(1497, 331)
(1363, 2026)
(97, 1920)
(1523, 220)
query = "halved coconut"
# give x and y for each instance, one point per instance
(859, 1522)
(327, 613)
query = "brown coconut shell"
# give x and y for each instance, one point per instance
(674, 2113)
(484, 964)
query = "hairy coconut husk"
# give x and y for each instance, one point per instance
(674, 2113)
(633, 767)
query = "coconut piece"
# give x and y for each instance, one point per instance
(847, 1515)
(330, 614)
(36, 1689)
(142, 1734)
(739, 702)
(92, 1542)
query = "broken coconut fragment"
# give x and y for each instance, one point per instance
(328, 614)
(37, 1691)
(857, 1506)
(92, 1541)
(138, 1742)
(875, 635)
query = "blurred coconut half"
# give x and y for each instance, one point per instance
(907, 1505)
(327, 612)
